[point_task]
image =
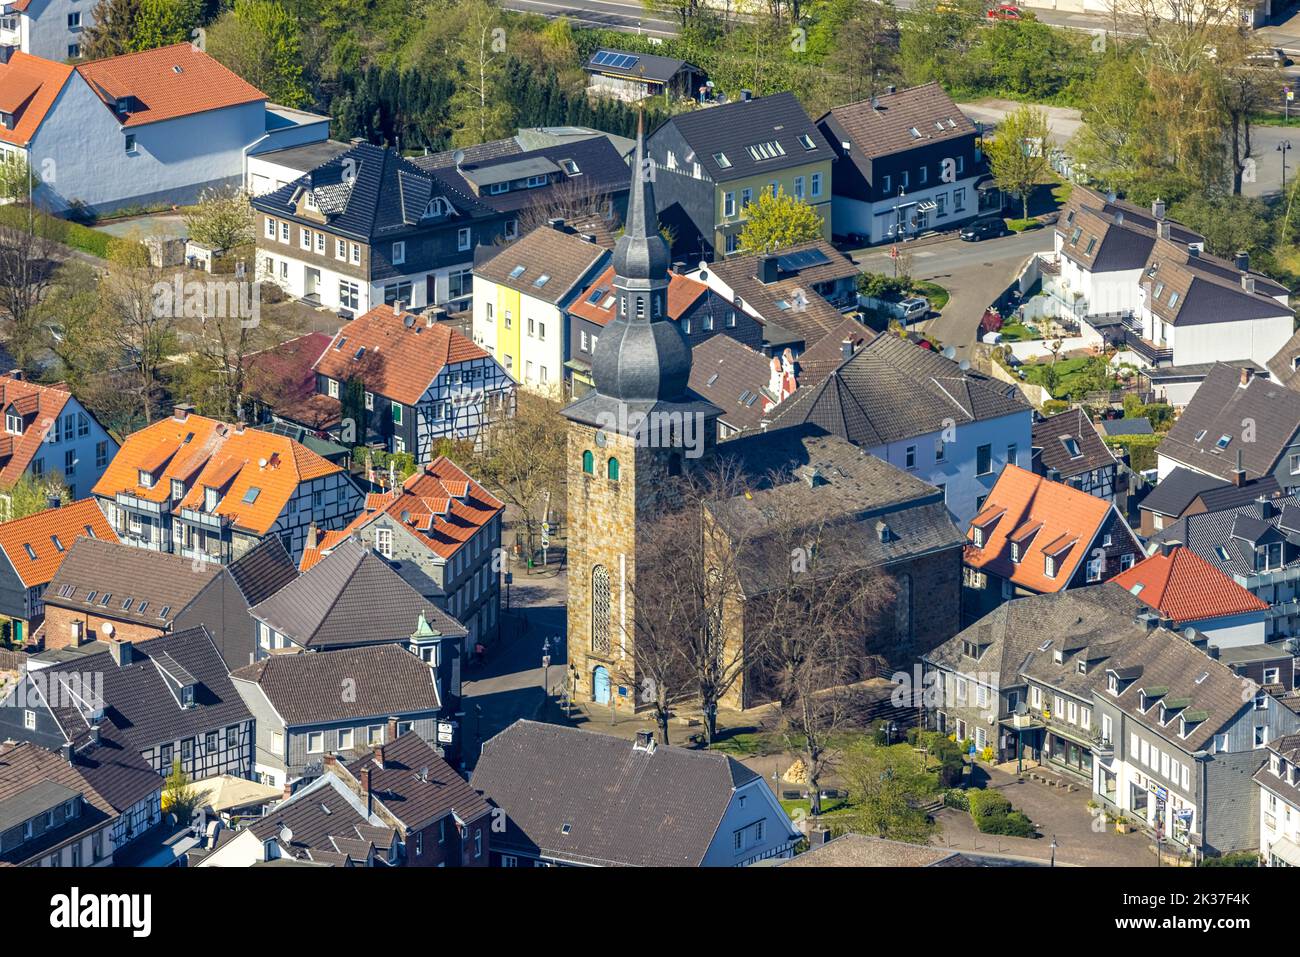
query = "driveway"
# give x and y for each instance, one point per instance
(1061, 816)
(974, 274)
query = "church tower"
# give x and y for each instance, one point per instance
(638, 426)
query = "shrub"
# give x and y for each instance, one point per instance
(993, 814)
(1235, 859)
(956, 798)
(1053, 406)
(880, 286)
(991, 322)
(1141, 449)
(1020, 225)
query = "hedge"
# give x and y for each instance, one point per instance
(70, 234)
(1141, 449)
(993, 814)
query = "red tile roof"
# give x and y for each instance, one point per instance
(682, 294)
(204, 452)
(1183, 586)
(167, 82)
(29, 86)
(400, 361)
(50, 534)
(442, 507)
(40, 407)
(1069, 520)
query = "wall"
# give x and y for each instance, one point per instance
(59, 622)
(46, 31)
(749, 804)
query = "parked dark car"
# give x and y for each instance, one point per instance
(982, 229)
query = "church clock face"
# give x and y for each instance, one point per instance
(601, 439)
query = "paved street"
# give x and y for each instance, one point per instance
(973, 273)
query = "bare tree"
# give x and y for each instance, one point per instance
(573, 202)
(27, 272)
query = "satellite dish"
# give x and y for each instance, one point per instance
(286, 835)
(949, 352)
(261, 463)
(108, 628)
(963, 365)
(458, 157)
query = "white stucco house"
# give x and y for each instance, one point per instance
(140, 129)
(52, 29)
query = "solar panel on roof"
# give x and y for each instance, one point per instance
(793, 262)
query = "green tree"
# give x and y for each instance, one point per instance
(884, 785)
(261, 41)
(1229, 223)
(159, 23)
(1018, 154)
(479, 112)
(179, 796)
(776, 222)
(222, 219)
(30, 495)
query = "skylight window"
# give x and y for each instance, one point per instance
(1223, 442)
(57, 544)
(1200, 435)
(103, 602)
(712, 379)
(338, 346)
(541, 280)
(31, 552)
(164, 612)
(806, 142)
(1221, 553)
(251, 495)
(359, 353)
(722, 160)
(1071, 446)
(517, 272)
(89, 531)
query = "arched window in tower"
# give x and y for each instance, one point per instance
(588, 462)
(903, 608)
(611, 469)
(640, 307)
(600, 609)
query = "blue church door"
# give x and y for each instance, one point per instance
(600, 685)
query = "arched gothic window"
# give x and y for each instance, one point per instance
(600, 609)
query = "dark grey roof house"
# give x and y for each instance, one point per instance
(655, 806)
(1183, 492)
(635, 76)
(1067, 446)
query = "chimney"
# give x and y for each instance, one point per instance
(313, 535)
(16, 374)
(875, 102)
(767, 270)
(288, 789)
(1167, 547)
(679, 266)
(645, 741)
(1148, 619)
(1239, 473)
(1119, 217)
(882, 532)
(239, 427)
(1242, 260)
(891, 89)
(121, 652)
(1193, 250)
(365, 790)
(846, 349)
(1263, 509)
(6, 52)
(1053, 475)
(1158, 210)
(398, 307)
(330, 761)
(589, 238)
(1111, 196)
(1247, 373)
(391, 735)
(182, 412)
(1162, 229)
(746, 95)
(1248, 282)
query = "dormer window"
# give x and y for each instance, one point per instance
(1112, 684)
(1049, 566)
(13, 422)
(178, 490)
(1015, 552)
(438, 206)
(210, 498)
(187, 696)
(146, 479)
(124, 105)
(1083, 667)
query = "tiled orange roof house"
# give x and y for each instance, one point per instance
(1188, 591)
(209, 490)
(150, 127)
(1033, 536)
(409, 382)
(33, 548)
(441, 530)
(49, 436)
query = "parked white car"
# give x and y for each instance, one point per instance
(918, 307)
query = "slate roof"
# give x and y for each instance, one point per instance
(620, 806)
(397, 355)
(891, 389)
(862, 850)
(852, 492)
(416, 786)
(1112, 234)
(441, 506)
(885, 127)
(1219, 408)
(735, 378)
(371, 193)
(1163, 660)
(1178, 490)
(1045, 518)
(602, 171)
(201, 452)
(49, 534)
(34, 779)
(733, 127)
(1073, 426)
(125, 583)
(140, 707)
(1288, 749)
(351, 596)
(1237, 531)
(1017, 634)
(647, 67)
(320, 817)
(304, 688)
(115, 770)
(564, 258)
(1209, 289)
(790, 304)
(1114, 427)
(262, 570)
(1184, 587)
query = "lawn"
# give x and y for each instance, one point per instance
(803, 807)
(1069, 372)
(748, 744)
(1019, 332)
(937, 295)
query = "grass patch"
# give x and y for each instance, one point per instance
(1019, 332)
(1023, 225)
(1061, 192)
(937, 295)
(1069, 374)
(747, 744)
(803, 807)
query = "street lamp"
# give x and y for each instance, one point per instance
(1053, 846)
(1283, 148)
